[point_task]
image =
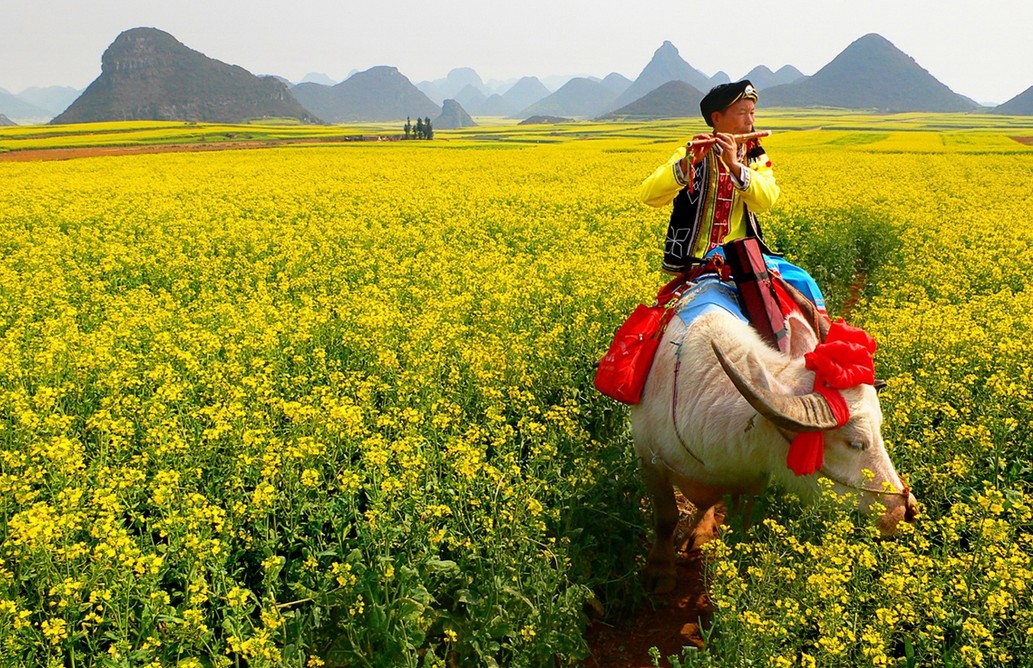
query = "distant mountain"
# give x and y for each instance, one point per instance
(871, 73)
(762, 77)
(471, 98)
(13, 106)
(52, 99)
(1020, 105)
(719, 78)
(618, 83)
(666, 65)
(146, 74)
(495, 106)
(461, 77)
(379, 94)
(524, 93)
(6, 122)
(555, 81)
(453, 117)
(500, 86)
(455, 81)
(578, 97)
(430, 89)
(675, 99)
(519, 96)
(319, 78)
(788, 74)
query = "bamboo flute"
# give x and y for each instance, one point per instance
(739, 139)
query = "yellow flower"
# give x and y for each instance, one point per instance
(310, 478)
(237, 597)
(54, 630)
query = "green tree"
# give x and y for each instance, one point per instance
(408, 127)
(428, 130)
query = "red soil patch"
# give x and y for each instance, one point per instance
(856, 288)
(672, 623)
(37, 154)
(1028, 141)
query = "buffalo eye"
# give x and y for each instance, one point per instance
(857, 445)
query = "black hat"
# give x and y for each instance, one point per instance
(721, 97)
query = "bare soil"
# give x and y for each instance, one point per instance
(672, 624)
(673, 621)
(856, 288)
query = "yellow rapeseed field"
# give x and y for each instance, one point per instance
(333, 405)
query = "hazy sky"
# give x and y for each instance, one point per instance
(980, 48)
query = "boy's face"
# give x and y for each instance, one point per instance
(735, 119)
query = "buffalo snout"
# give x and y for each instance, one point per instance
(904, 508)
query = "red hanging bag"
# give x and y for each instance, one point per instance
(622, 372)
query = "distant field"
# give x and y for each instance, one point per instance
(332, 404)
(961, 128)
(144, 133)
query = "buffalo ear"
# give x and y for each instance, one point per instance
(760, 375)
(879, 384)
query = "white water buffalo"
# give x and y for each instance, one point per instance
(721, 421)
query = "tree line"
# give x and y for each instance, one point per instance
(422, 130)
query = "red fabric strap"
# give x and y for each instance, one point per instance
(844, 360)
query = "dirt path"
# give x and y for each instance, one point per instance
(673, 621)
(857, 287)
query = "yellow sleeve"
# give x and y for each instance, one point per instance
(761, 193)
(661, 186)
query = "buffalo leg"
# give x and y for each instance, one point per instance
(659, 574)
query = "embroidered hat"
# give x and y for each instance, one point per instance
(721, 97)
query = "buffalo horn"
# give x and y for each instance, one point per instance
(796, 413)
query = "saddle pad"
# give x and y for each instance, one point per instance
(708, 295)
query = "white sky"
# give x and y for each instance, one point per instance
(980, 48)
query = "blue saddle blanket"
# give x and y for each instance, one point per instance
(707, 295)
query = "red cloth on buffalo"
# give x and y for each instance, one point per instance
(843, 360)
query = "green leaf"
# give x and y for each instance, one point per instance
(442, 566)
